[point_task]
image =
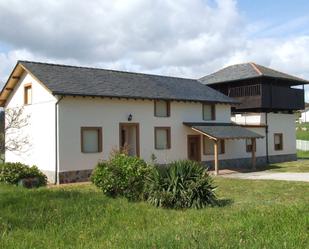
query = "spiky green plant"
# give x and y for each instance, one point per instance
(182, 184)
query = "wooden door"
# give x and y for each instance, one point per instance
(129, 138)
(194, 147)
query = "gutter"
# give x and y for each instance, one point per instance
(266, 137)
(56, 140)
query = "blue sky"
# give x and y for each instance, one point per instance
(292, 14)
(186, 38)
(274, 11)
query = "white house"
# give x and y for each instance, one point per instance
(304, 116)
(78, 115)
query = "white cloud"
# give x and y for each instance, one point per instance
(140, 34)
(188, 38)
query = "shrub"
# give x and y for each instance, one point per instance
(122, 175)
(183, 184)
(13, 173)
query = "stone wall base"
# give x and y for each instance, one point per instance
(245, 163)
(240, 163)
(75, 176)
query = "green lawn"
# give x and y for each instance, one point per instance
(256, 214)
(302, 154)
(302, 135)
(302, 165)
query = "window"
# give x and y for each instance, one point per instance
(161, 108)
(209, 112)
(249, 145)
(28, 94)
(208, 146)
(162, 138)
(91, 139)
(278, 141)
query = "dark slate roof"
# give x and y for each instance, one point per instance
(223, 130)
(247, 71)
(83, 81)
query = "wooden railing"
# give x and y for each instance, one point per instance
(241, 91)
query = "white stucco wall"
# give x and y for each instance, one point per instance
(277, 123)
(236, 148)
(106, 113)
(249, 118)
(304, 116)
(40, 128)
(285, 124)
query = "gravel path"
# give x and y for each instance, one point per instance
(266, 175)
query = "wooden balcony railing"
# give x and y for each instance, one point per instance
(242, 91)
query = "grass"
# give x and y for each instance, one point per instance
(303, 125)
(302, 165)
(256, 214)
(302, 135)
(302, 154)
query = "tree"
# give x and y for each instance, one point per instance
(11, 135)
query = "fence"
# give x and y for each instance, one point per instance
(302, 145)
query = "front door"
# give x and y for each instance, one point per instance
(129, 138)
(194, 147)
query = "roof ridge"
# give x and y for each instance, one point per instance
(280, 72)
(97, 68)
(256, 68)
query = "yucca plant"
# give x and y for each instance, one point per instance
(182, 184)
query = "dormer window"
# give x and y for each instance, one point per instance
(28, 94)
(161, 108)
(209, 112)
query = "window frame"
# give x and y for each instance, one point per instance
(100, 138)
(248, 146)
(26, 88)
(168, 110)
(222, 147)
(281, 141)
(168, 129)
(213, 112)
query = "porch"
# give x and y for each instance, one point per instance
(218, 132)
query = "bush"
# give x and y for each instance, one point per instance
(122, 175)
(13, 173)
(183, 184)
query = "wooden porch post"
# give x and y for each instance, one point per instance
(216, 157)
(253, 142)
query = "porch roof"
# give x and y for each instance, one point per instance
(222, 130)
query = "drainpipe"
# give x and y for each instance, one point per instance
(56, 139)
(266, 137)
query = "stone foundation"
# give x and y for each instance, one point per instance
(75, 176)
(241, 163)
(245, 163)
(282, 158)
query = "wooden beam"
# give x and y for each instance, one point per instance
(15, 77)
(216, 157)
(9, 89)
(253, 142)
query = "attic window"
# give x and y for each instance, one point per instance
(28, 94)
(161, 108)
(209, 112)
